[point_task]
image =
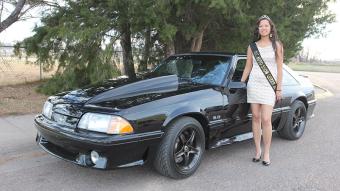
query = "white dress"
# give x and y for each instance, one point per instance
(258, 88)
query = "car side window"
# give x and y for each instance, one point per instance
(240, 65)
(287, 79)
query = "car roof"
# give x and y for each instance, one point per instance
(212, 53)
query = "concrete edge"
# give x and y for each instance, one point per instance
(326, 93)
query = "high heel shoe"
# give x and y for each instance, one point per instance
(266, 163)
(256, 159)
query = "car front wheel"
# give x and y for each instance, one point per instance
(296, 122)
(181, 149)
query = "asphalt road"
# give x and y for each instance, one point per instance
(310, 163)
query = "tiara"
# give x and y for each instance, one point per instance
(264, 17)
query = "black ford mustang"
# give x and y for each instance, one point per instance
(168, 116)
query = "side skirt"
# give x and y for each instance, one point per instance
(228, 141)
(231, 140)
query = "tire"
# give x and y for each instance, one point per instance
(296, 122)
(178, 142)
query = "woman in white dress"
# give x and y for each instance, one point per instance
(260, 94)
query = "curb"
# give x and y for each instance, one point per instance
(323, 95)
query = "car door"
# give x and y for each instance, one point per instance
(236, 111)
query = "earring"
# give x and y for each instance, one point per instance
(270, 35)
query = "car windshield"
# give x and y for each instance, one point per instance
(203, 69)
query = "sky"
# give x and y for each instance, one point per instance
(324, 48)
(327, 48)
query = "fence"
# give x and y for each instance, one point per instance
(15, 70)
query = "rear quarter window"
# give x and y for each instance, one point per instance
(288, 79)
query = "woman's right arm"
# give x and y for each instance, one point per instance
(249, 65)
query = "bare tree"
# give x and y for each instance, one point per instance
(20, 11)
(14, 16)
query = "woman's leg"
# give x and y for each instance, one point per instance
(256, 127)
(266, 120)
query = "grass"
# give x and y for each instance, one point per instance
(333, 68)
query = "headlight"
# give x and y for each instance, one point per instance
(104, 123)
(47, 110)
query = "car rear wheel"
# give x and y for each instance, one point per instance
(181, 149)
(296, 122)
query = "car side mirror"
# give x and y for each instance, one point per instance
(237, 85)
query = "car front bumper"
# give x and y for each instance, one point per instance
(115, 151)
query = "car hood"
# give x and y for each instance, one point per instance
(122, 93)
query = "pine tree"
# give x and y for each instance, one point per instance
(82, 36)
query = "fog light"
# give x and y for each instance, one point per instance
(94, 157)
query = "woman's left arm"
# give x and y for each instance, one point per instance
(279, 62)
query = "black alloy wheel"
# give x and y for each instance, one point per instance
(296, 121)
(181, 149)
(187, 150)
(299, 120)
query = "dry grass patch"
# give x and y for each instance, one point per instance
(21, 99)
(332, 68)
(16, 71)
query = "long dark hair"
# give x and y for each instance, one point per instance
(273, 33)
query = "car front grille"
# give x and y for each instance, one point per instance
(66, 115)
(65, 120)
